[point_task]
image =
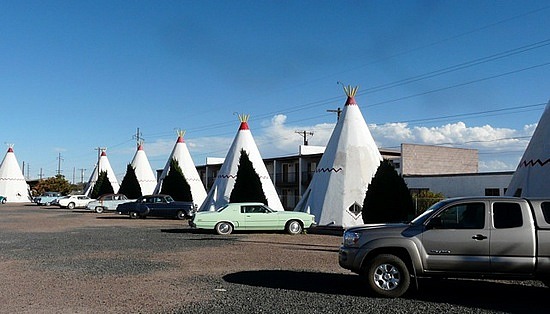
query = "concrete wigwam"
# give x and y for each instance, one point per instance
(220, 192)
(337, 190)
(182, 155)
(13, 185)
(103, 164)
(144, 172)
(532, 175)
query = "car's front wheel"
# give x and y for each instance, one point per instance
(388, 276)
(99, 209)
(224, 228)
(70, 205)
(293, 227)
(3, 201)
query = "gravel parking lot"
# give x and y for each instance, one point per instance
(56, 261)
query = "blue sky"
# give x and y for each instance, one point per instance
(77, 75)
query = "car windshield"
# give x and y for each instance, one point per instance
(169, 199)
(422, 217)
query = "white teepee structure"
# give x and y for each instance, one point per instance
(182, 155)
(144, 172)
(102, 165)
(220, 192)
(12, 182)
(337, 190)
(532, 176)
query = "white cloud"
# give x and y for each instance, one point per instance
(499, 148)
(496, 165)
(278, 139)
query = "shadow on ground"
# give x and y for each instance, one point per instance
(300, 281)
(512, 297)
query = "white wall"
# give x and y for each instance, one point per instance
(461, 185)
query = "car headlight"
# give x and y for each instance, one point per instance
(351, 238)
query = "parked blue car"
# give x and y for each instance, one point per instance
(158, 205)
(47, 198)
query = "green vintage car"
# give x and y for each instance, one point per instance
(251, 216)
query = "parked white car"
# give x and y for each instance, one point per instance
(74, 201)
(107, 202)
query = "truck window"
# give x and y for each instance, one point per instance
(546, 211)
(463, 216)
(507, 215)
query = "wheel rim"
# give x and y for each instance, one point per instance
(387, 277)
(224, 228)
(294, 227)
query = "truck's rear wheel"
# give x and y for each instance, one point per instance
(388, 276)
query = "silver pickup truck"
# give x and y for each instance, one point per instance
(468, 237)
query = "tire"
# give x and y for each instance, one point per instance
(224, 228)
(3, 201)
(47, 204)
(181, 215)
(388, 276)
(134, 215)
(99, 209)
(70, 206)
(294, 227)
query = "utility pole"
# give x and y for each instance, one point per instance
(41, 174)
(338, 112)
(28, 171)
(304, 134)
(99, 150)
(138, 137)
(59, 159)
(82, 174)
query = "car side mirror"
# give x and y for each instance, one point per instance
(434, 223)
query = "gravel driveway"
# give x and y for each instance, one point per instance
(56, 261)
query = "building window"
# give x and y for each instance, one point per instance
(492, 192)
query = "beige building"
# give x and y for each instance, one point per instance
(436, 160)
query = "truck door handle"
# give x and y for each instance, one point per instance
(479, 237)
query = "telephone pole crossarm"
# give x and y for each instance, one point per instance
(304, 134)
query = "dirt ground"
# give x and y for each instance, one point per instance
(53, 260)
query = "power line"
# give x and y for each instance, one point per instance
(484, 113)
(459, 85)
(457, 67)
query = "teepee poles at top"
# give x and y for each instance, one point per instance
(244, 117)
(180, 132)
(350, 91)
